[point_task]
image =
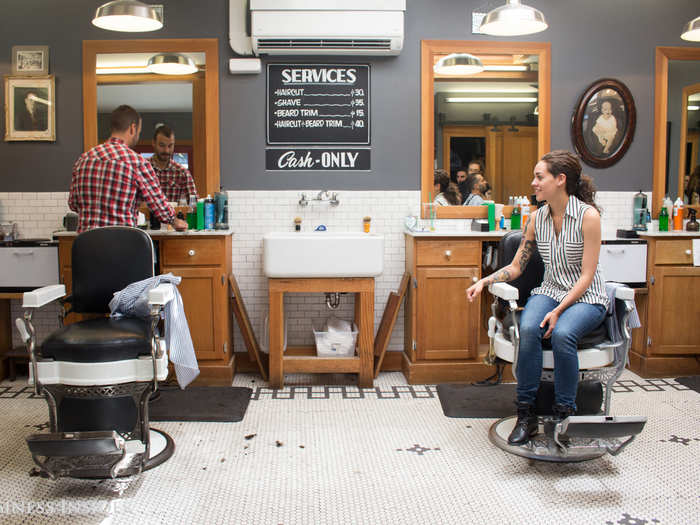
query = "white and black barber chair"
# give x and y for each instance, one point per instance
(602, 355)
(97, 375)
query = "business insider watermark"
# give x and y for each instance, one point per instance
(57, 507)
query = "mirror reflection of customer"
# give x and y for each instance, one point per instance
(605, 128)
(571, 301)
(109, 179)
(692, 187)
(446, 192)
(475, 166)
(175, 180)
(34, 113)
(476, 186)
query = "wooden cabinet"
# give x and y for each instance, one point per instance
(442, 329)
(673, 332)
(204, 263)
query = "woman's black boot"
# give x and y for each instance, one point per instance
(525, 426)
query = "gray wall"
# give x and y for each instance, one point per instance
(590, 40)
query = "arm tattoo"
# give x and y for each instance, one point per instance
(528, 248)
(498, 277)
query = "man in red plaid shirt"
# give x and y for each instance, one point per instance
(175, 180)
(111, 178)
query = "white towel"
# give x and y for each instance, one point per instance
(132, 301)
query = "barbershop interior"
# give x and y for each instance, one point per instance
(350, 261)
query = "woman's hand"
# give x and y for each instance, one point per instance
(551, 318)
(474, 290)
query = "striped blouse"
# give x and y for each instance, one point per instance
(563, 255)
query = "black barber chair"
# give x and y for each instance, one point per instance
(602, 354)
(97, 375)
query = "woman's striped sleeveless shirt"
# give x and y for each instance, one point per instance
(563, 256)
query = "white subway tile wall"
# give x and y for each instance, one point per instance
(254, 213)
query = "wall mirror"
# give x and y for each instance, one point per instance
(676, 125)
(500, 116)
(114, 73)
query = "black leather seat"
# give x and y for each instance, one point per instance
(99, 341)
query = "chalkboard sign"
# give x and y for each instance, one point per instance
(317, 159)
(318, 104)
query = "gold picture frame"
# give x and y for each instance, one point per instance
(30, 60)
(30, 108)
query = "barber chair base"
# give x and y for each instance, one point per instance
(587, 437)
(97, 455)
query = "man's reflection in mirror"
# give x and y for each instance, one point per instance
(445, 191)
(476, 186)
(175, 180)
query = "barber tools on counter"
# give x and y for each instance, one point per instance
(639, 212)
(693, 224)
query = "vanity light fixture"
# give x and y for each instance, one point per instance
(513, 19)
(491, 99)
(171, 64)
(130, 16)
(691, 31)
(458, 64)
(505, 67)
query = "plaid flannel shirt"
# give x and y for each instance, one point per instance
(107, 183)
(175, 181)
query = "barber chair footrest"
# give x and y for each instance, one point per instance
(606, 429)
(76, 444)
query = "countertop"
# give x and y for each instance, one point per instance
(167, 233)
(669, 234)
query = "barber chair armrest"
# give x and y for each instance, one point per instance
(504, 291)
(161, 294)
(43, 296)
(625, 293)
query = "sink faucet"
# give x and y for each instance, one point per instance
(325, 195)
(303, 201)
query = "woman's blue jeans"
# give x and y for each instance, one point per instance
(576, 321)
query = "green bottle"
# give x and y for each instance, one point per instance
(515, 218)
(663, 220)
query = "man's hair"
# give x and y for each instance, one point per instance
(123, 117)
(163, 129)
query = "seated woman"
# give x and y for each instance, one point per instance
(446, 192)
(571, 301)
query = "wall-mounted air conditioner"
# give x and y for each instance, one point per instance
(327, 27)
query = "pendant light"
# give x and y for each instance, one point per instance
(171, 64)
(691, 31)
(129, 16)
(458, 64)
(513, 19)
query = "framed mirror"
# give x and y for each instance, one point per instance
(689, 158)
(500, 116)
(677, 71)
(188, 103)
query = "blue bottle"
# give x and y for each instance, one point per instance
(209, 213)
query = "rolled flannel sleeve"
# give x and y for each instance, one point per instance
(153, 195)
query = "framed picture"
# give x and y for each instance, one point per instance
(603, 123)
(30, 60)
(30, 108)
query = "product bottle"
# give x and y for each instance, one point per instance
(502, 223)
(221, 209)
(668, 204)
(515, 218)
(525, 212)
(200, 214)
(192, 213)
(678, 214)
(209, 213)
(692, 225)
(663, 220)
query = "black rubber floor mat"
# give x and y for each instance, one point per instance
(203, 403)
(491, 401)
(692, 382)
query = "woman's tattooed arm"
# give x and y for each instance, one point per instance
(527, 248)
(500, 276)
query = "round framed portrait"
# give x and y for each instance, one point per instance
(603, 123)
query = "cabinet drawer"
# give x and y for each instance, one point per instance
(677, 251)
(192, 252)
(448, 253)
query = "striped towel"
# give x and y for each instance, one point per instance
(132, 301)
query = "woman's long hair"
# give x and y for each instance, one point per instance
(447, 188)
(577, 184)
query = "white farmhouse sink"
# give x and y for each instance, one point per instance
(323, 254)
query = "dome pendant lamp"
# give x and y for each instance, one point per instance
(130, 16)
(458, 64)
(513, 19)
(171, 64)
(691, 31)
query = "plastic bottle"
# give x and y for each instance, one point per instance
(668, 204)
(663, 219)
(209, 208)
(502, 223)
(515, 218)
(678, 214)
(525, 212)
(192, 213)
(200, 214)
